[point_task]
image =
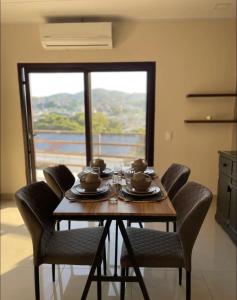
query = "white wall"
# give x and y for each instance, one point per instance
(191, 56)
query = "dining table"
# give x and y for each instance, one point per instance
(119, 211)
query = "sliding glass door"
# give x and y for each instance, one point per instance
(75, 112)
(58, 123)
(118, 105)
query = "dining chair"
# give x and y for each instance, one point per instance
(60, 179)
(172, 180)
(36, 204)
(154, 249)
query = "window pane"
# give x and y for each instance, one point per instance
(118, 115)
(57, 104)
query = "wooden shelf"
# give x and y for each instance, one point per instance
(211, 95)
(210, 121)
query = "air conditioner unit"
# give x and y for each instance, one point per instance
(76, 36)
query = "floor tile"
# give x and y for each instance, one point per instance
(18, 283)
(213, 274)
(222, 285)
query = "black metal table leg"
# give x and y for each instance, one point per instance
(97, 259)
(133, 260)
(99, 283)
(116, 250)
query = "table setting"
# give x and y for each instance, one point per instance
(136, 182)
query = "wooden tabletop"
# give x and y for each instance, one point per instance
(162, 210)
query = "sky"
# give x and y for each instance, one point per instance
(46, 84)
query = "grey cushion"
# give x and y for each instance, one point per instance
(153, 248)
(77, 246)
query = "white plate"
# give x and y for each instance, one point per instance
(77, 189)
(152, 190)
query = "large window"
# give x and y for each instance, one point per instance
(75, 112)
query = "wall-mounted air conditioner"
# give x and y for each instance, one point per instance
(76, 36)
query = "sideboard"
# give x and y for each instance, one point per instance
(226, 213)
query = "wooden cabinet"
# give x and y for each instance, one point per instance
(226, 213)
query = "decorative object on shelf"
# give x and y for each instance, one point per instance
(208, 117)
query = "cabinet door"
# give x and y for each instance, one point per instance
(233, 208)
(223, 199)
(225, 165)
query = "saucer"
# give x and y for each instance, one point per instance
(78, 190)
(151, 191)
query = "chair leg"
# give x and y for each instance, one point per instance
(53, 273)
(122, 285)
(58, 225)
(167, 226)
(188, 285)
(180, 276)
(129, 223)
(37, 288)
(140, 224)
(69, 225)
(174, 226)
(104, 262)
(99, 283)
(126, 271)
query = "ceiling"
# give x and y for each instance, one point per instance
(40, 11)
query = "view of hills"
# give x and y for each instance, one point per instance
(112, 111)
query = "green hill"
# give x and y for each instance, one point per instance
(123, 111)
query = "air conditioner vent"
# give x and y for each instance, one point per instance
(77, 36)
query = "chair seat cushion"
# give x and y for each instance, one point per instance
(77, 246)
(153, 248)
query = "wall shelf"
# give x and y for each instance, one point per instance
(210, 121)
(211, 95)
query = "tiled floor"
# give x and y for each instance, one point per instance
(213, 276)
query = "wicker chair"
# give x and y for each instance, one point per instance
(36, 204)
(156, 249)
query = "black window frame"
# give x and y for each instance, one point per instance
(24, 69)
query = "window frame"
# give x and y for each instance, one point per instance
(24, 69)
